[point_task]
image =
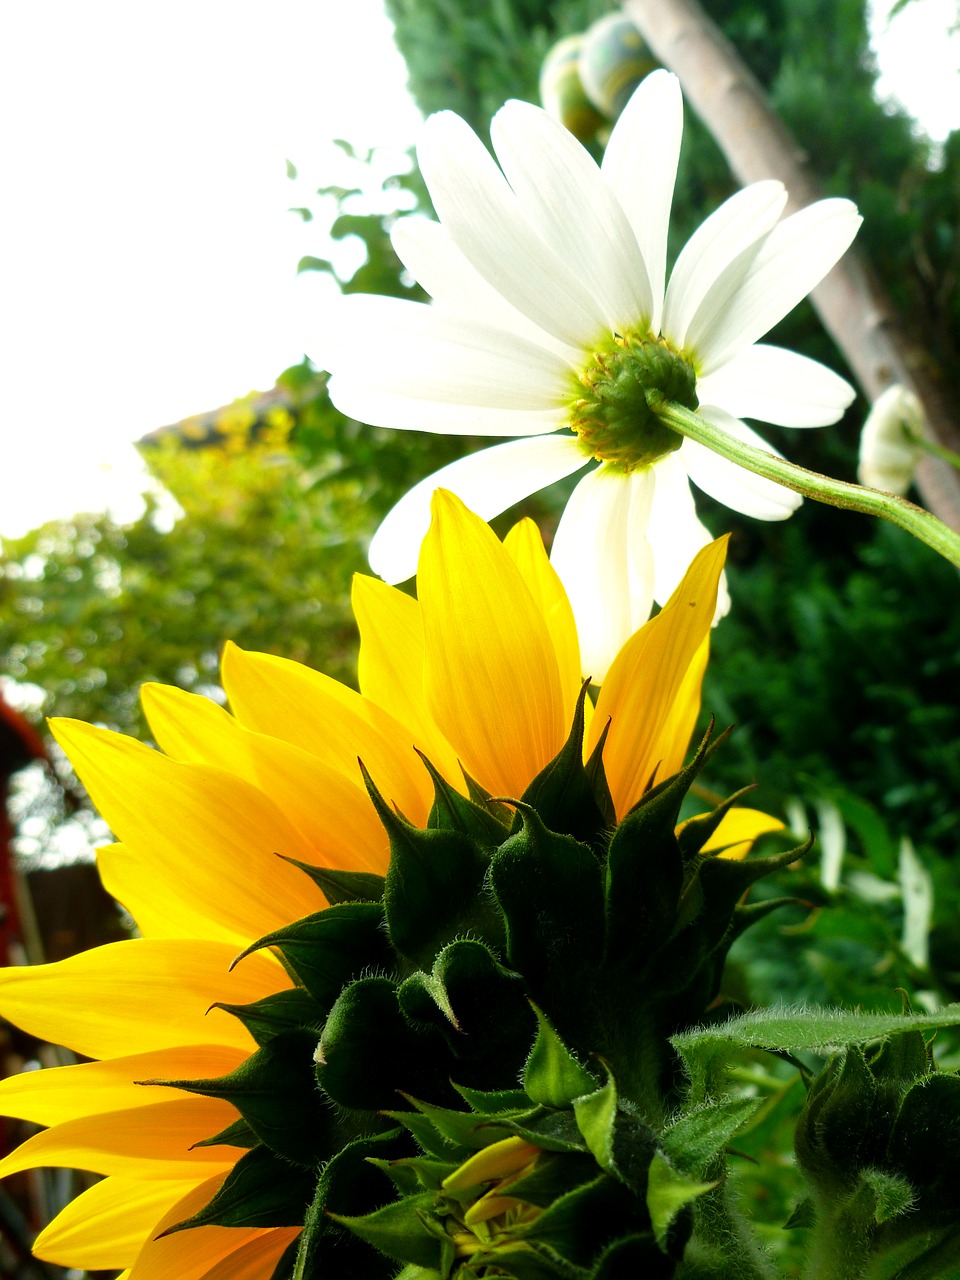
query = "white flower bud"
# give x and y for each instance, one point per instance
(890, 442)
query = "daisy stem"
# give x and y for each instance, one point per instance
(836, 493)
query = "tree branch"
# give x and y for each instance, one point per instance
(851, 302)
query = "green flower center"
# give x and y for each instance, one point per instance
(613, 409)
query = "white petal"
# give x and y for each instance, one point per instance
(484, 218)
(592, 554)
(731, 484)
(640, 165)
(793, 259)
(426, 250)
(419, 351)
(488, 482)
(720, 249)
(776, 385)
(384, 408)
(572, 210)
(675, 532)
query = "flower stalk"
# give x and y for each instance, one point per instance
(835, 493)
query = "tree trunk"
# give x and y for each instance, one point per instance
(851, 302)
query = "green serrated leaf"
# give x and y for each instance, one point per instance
(808, 1027)
(697, 1138)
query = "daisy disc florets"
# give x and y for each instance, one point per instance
(552, 322)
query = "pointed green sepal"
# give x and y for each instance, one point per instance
(260, 1191)
(552, 1076)
(283, 1011)
(804, 1215)
(341, 886)
(434, 885)
(326, 950)
(563, 792)
(452, 811)
(550, 890)
(238, 1134)
(451, 1131)
(696, 831)
(276, 1094)
(596, 1114)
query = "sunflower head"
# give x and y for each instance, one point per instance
(613, 410)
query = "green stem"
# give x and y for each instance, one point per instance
(837, 493)
(937, 450)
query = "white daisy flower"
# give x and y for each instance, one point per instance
(551, 322)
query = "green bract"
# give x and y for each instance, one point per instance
(472, 1076)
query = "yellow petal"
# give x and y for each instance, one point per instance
(187, 1255)
(525, 547)
(491, 676)
(390, 666)
(137, 996)
(333, 814)
(90, 1088)
(647, 695)
(211, 836)
(104, 1228)
(256, 1259)
(737, 831)
(143, 1142)
(289, 701)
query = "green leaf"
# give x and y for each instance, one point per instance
(397, 1231)
(238, 1134)
(696, 1139)
(260, 1191)
(552, 1075)
(668, 1192)
(596, 1114)
(807, 1027)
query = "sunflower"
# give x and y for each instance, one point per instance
(481, 675)
(552, 321)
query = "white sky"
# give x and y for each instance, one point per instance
(147, 258)
(147, 261)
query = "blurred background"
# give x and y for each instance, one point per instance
(187, 184)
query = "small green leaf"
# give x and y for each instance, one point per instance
(552, 1076)
(804, 1215)
(397, 1231)
(668, 1192)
